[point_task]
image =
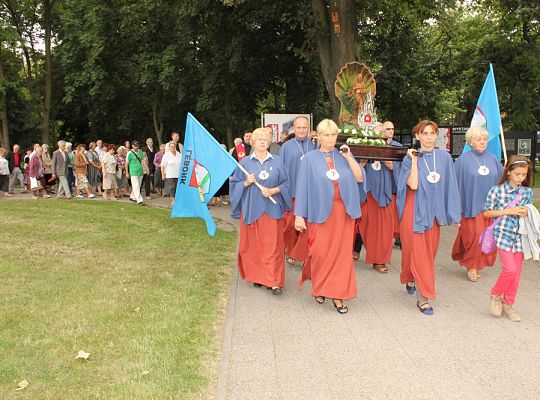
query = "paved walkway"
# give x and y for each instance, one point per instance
(289, 347)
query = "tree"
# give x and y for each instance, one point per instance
(336, 36)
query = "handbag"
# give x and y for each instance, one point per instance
(34, 184)
(486, 240)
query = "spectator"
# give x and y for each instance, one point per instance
(81, 173)
(175, 137)
(15, 163)
(158, 178)
(122, 180)
(109, 166)
(47, 163)
(70, 175)
(170, 169)
(135, 171)
(35, 174)
(150, 153)
(4, 173)
(94, 168)
(59, 167)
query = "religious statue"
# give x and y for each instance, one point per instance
(355, 88)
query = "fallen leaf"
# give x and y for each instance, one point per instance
(22, 385)
(137, 309)
(82, 354)
(145, 372)
(125, 290)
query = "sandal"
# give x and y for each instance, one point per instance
(276, 290)
(380, 268)
(410, 288)
(320, 299)
(472, 275)
(291, 261)
(343, 309)
(355, 255)
(424, 308)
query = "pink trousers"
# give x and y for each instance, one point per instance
(508, 281)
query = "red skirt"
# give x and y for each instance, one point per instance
(329, 265)
(466, 249)
(396, 215)
(418, 251)
(295, 242)
(261, 251)
(378, 232)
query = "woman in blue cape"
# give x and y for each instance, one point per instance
(428, 197)
(476, 171)
(327, 196)
(261, 248)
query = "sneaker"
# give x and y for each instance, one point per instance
(148, 198)
(91, 195)
(512, 314)
(495, 305)
(80, 196)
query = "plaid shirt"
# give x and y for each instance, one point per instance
(506, 231)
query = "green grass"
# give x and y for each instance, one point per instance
(142, 292)
(537, 176)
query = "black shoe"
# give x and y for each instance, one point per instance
(257, 285)
(397, 243)
(134, 201)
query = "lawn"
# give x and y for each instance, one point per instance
(143, 293)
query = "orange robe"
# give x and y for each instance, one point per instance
(466, 249)
(377, 231)
(418, 251)
(295, 242)
(261, 250)
(329, 264)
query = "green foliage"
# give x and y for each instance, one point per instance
(124, 69)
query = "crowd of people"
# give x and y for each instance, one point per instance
(314, 204)
(306, 201)
(78, 171)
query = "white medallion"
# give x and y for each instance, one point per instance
(376, 165)
(434, 177)
(332, 174)
(263, 175)
(483, 170)
(301, 158)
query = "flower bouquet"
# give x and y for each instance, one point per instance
(367, 143)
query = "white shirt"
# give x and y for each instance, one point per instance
(4, 166)
(172, 164)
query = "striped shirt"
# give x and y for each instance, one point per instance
(506, 231)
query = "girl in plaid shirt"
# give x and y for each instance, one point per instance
(515, 181)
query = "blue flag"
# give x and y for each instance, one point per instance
(488, 116)
(205, 166)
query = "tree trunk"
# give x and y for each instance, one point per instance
(228, 114)
(48, 72)
(19, 28)
(335, 49)
(4, 138)
(158, 125)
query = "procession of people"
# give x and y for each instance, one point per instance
(307, 203)
(313, 204)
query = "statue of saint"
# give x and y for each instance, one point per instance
(358, 94)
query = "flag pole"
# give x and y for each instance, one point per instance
(503, 143)
(256, 183)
